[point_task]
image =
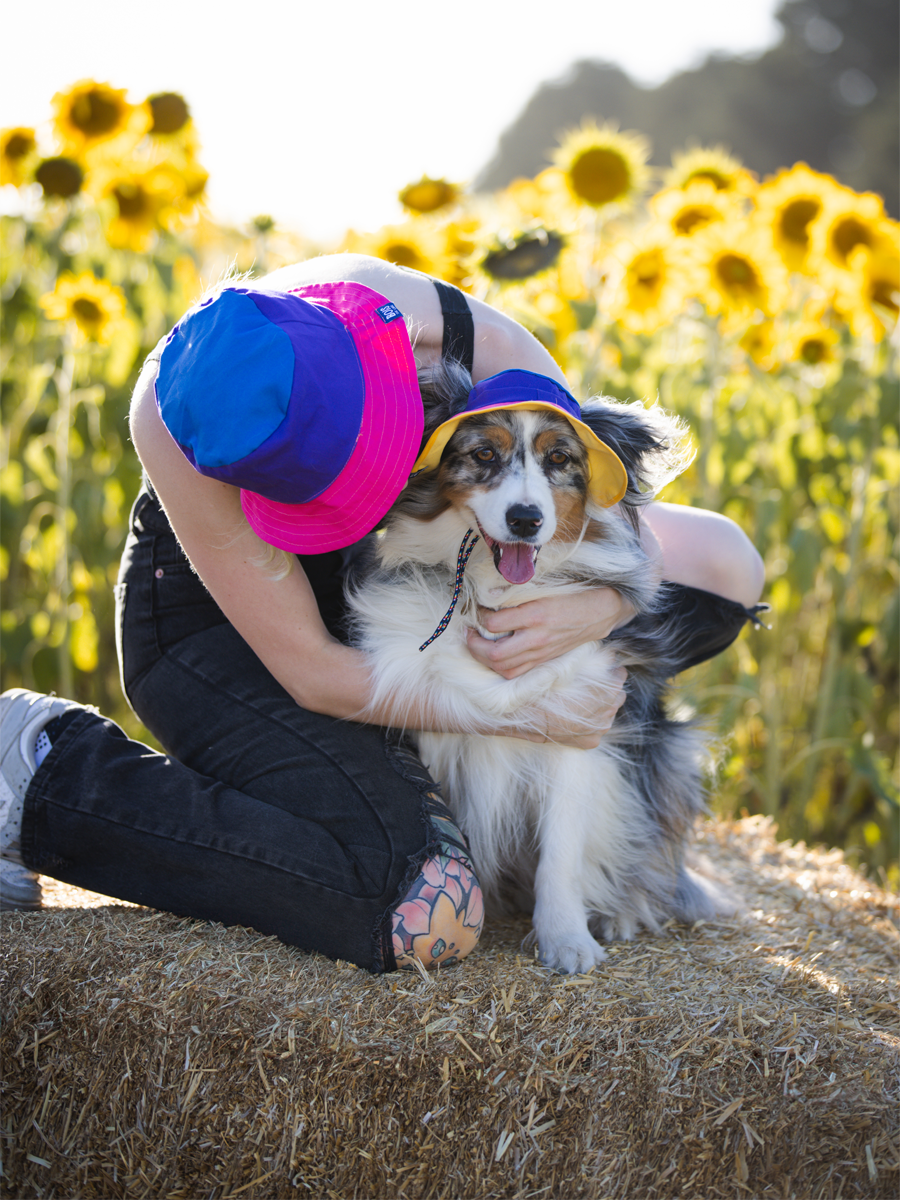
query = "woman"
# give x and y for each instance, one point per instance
(285, 418)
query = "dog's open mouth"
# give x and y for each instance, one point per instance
(514, 560)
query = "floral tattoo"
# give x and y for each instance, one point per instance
(440, 918)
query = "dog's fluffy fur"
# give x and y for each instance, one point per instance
(592, 841)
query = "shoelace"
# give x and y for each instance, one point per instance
(462, 558)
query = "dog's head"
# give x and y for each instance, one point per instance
(522, 477)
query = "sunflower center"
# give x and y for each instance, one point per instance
(646, 278)
(599, 175)
(402, 254)
(87, 310)
(95, 114)
(719, 181)
(847, 234)
(59, 177)
(18, 146)
(530, 254)
(694, 217)
(737, 275)
(884, 292)
(427, 196)
(170, 113)
(795, 217)
(813, 350)
(132, 200)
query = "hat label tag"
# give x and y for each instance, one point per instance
(388, 313)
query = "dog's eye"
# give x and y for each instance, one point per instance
(558, 457)
(485, 454)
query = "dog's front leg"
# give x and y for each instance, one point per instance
(560, 915)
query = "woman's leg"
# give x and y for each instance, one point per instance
(316, 830)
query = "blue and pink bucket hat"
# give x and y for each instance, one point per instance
(308, 401)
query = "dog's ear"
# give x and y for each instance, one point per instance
(445, 387)
(654, 446)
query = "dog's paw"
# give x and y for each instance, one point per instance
(570, 955)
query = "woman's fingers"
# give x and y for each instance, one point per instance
(543, 629)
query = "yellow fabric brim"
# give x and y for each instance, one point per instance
(608, 477)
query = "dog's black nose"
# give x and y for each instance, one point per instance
(524, 520)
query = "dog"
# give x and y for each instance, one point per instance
(592, 842)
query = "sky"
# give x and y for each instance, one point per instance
(317, 113)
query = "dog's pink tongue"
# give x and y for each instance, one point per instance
(516, 563)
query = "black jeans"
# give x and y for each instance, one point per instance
(265, 814)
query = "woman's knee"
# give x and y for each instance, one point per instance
(439, 918)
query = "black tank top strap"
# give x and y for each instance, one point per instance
(459, 326)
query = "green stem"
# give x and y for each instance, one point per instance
(64, 379)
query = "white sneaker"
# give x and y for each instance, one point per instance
(23, 715)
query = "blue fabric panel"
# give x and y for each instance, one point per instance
(225, 379)
(516, 386)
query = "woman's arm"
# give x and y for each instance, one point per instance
(500, 342)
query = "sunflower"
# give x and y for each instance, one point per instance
(428, 195)
(654, 283)
(851, 221)
(408, 245)
(60, 177)
(94, 306)
(712, 164)
(812, 343)
(17, 150)
(758, 342)
(602, 166)
(738, 275)
(690, 209)
(143, 197)
(521, 255)
(92, 115)
(869, 296)
(790, 205)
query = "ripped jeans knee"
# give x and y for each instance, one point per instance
(440, 914)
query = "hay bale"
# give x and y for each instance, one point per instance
(145, 1055)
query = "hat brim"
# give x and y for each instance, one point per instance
(388, 440)
(608, 478)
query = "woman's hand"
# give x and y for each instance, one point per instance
(582, 729)
(544, 629)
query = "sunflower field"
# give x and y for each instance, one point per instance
(764, 313)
